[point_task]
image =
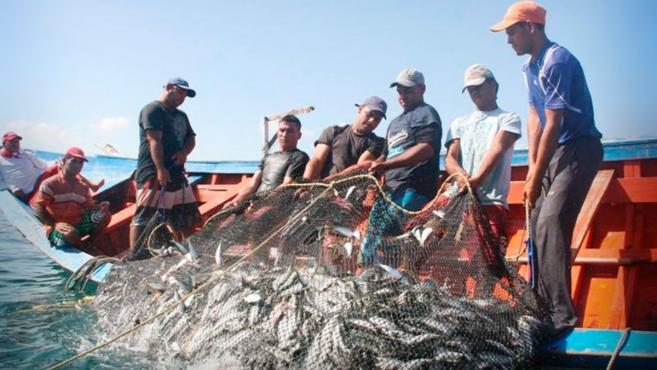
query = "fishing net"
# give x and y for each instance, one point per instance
(319, 276)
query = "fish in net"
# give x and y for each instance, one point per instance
(281, 282)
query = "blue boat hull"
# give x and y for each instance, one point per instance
(68, 257)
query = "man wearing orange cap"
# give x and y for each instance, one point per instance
(565, 152)
(64, 204)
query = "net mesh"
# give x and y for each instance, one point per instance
(329, 276)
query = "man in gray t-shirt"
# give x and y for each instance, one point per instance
(480, 145)
(341, 148)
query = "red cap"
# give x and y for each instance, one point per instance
(10, 135)
(76, 153)
(523, 11)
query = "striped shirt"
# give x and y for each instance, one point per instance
(65, 200)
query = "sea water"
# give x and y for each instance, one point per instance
(42, 324)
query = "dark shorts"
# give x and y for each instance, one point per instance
(176, 206)
(89, 222)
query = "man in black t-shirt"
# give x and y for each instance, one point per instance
(166, 139)
(278, 168)
(346, 147)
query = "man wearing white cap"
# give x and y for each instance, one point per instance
(409, 161)
(480, 145)
(410, 156)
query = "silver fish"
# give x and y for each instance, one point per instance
(181, 304)
(346, 232)
(421, 234)
(217, 254)
(155, 287)
(394, 273)
(349, 191)
(252, 298)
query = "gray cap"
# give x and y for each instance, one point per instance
(375, 103)
(475, 75)
(409, 77)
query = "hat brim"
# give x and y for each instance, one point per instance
(473, 82)
(504, 24)
(373, 108)
(403, 83)
(190, 93)
(78, 157)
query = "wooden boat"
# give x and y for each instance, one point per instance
(212, 190)
(614, 275)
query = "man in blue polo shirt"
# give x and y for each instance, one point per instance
(565, 152)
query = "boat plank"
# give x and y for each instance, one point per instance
(590, 208)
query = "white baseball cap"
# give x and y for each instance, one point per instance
(475, 75)
(409, 77)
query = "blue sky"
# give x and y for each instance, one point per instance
(78, 72)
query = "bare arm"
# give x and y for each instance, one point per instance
(287, 180)
(317, 161)
(416, 154)
(546, 147)
(157, 154)
(502, 142)
(181, 156)
(452, 164)
(247, 191)
(534, 131)
(43, 215)
(93, 185)
(367, 156)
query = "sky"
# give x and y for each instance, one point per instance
(77, 73)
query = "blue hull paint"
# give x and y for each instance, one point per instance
(23, 218)
(613, 151)
(592, 349)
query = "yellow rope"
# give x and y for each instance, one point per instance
(220, 213)
(185, 295)
(526, 231)
(295, 217)
(149, 239)
(381, 191)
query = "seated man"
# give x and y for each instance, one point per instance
(278, 168)
(339, 148)
(64, 204)
(22, 172)
(480, 145)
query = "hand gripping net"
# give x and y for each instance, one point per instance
(283, 282)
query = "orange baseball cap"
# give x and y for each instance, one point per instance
(522, 11)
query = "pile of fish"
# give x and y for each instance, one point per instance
(264, 317)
